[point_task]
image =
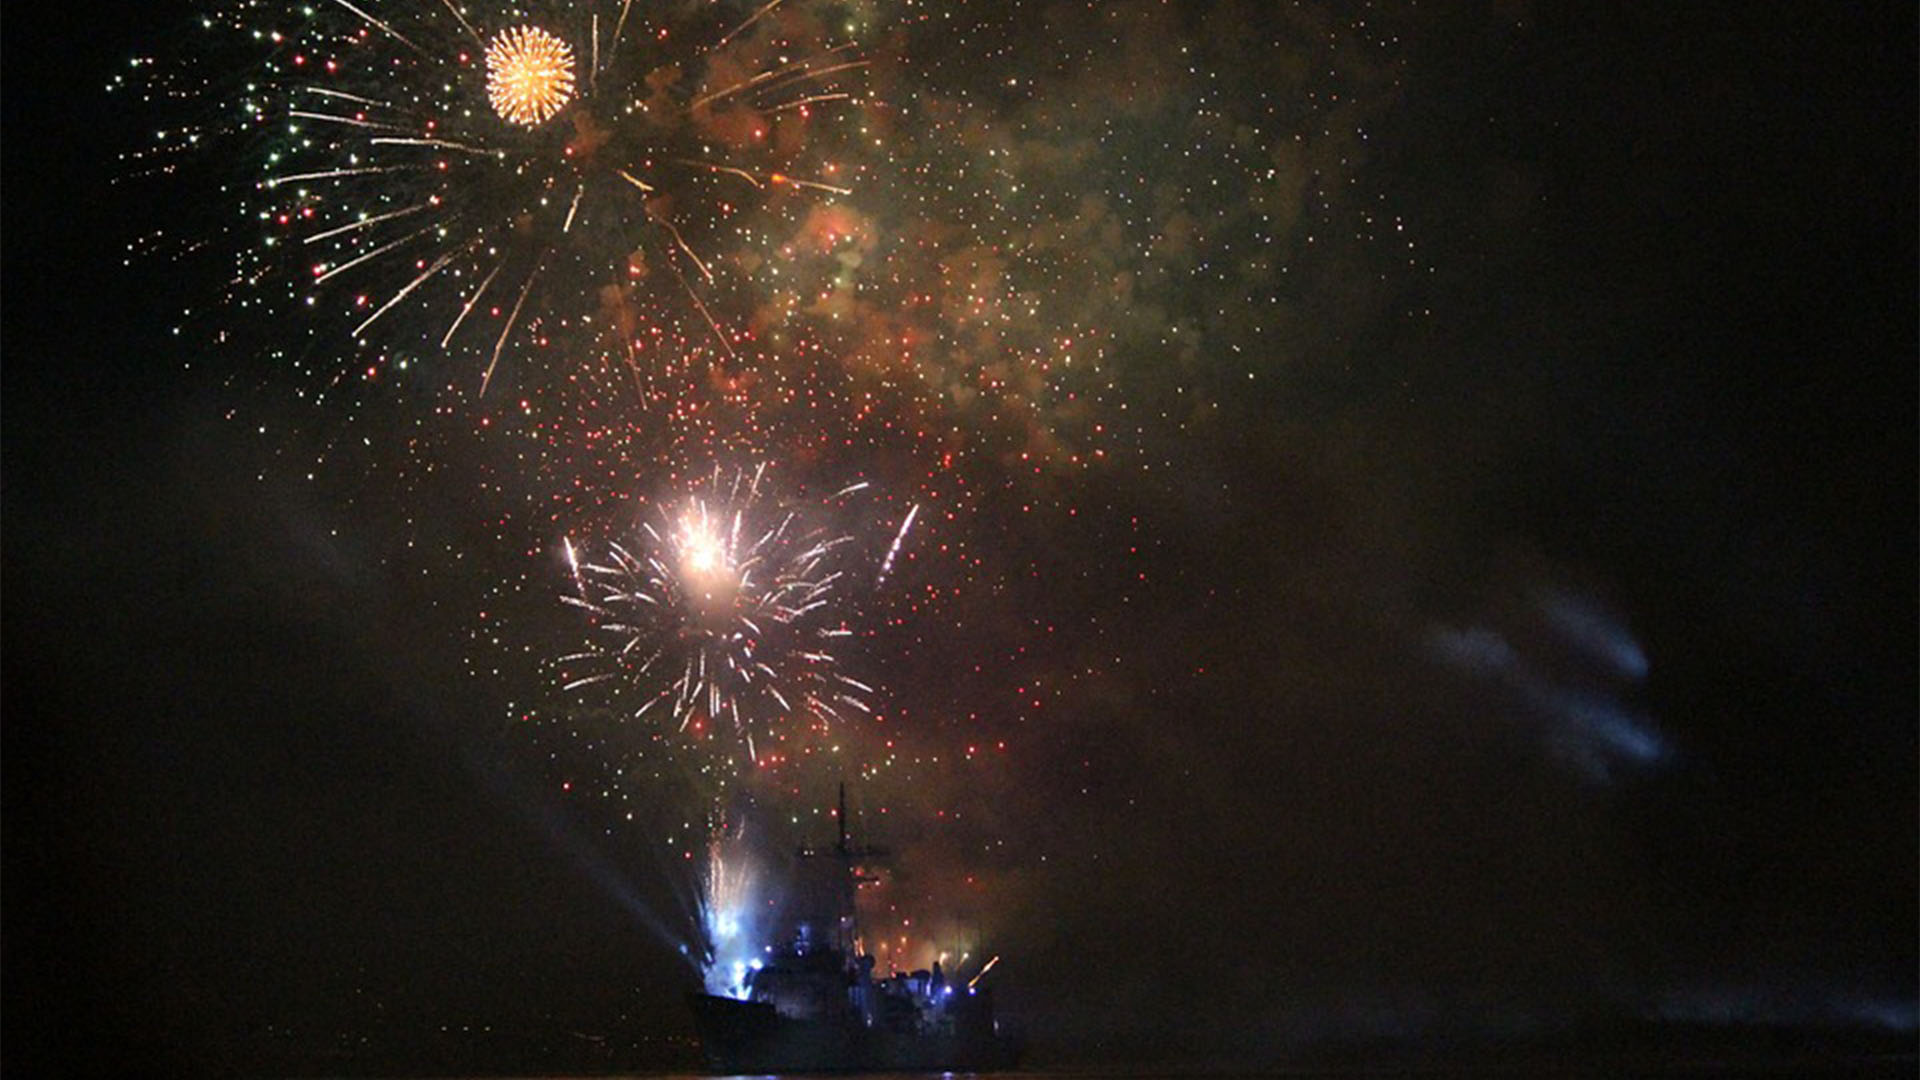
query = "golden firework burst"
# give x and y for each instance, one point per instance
(529, 75)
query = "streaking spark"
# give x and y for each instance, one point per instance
(893, 550)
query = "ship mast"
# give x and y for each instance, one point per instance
(849, 878)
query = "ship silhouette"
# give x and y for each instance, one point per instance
(815, 1004)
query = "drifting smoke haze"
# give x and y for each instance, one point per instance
(1378, 524)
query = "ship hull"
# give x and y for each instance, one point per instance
(751, 1037)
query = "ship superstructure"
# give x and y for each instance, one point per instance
(814, 1004)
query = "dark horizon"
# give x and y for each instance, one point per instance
(1494, 619)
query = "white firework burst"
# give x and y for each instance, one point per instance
(726, 612)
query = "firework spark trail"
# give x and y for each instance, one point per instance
(886, 565)
(437, 266)
(350, 121)
(701, 306)
(462, 19)
(375, 253)
(487, 379)
(471, 300)
(573, 208)
(751, 19)
(443, 144)
(801, 103)
(343, 95)
(383, 27)
(789, 71)
(334, 174)
(367, 222)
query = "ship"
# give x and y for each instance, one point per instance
(815, 1004)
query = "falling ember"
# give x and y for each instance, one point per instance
(529, 75)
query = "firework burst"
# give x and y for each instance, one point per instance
(527, 176)
(727, 612)
(529, 75)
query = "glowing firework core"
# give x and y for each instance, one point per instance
(703, 552)
(706, 564)
(529, 75)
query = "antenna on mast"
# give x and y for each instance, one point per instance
(842, 847)
(846, 852)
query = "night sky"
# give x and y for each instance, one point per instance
(1416, 540)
